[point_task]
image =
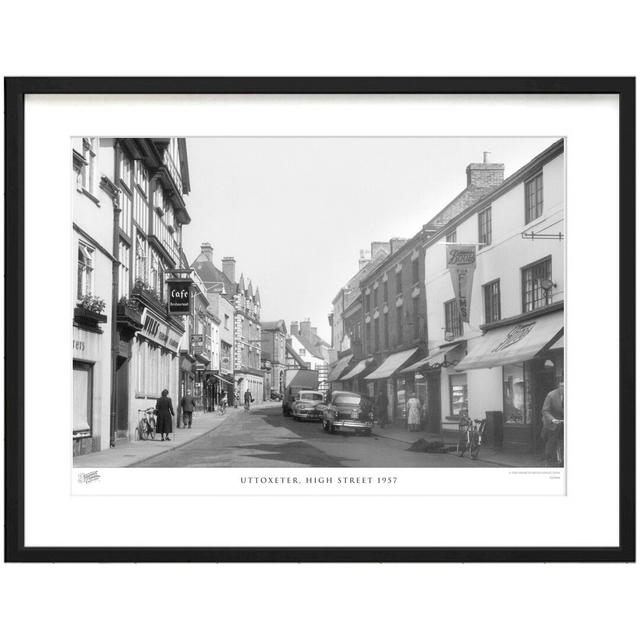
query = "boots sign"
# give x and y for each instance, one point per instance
(461, 261)
(179, 297)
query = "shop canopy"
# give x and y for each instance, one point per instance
(559, 343)
(339, 367)
(357, 370)
(514, 343)
(438, 357)
(391, 365)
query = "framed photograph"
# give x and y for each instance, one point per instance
(320, 319)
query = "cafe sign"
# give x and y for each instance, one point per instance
(179, 297)
(461, 262)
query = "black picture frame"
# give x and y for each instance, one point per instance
(15, 91)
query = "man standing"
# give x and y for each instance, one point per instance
(187, 405)
(552, 421)
(247, 400)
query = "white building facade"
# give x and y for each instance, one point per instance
(502, 363)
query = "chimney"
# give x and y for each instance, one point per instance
(396, 243)
(364, 260)
(377, 247)
(229, 267)
(293, 328)
(485, 175)
(314, 332)
(207, 249)
(305, 329)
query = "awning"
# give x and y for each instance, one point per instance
(215, 375)
(391, 365)
(438, 357)
(514, 343)
(338, 368)
(357, 370)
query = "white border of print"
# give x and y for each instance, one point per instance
(54, 517)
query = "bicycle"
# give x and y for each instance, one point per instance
(147, 425)
(470, 434)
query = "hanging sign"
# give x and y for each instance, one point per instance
(461, 262)
(179, 297)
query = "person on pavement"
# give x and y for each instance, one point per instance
(413, 413)
(223, 402)
(188, 405)
(552, 417)
(164, 411)
(236, 399)
(247, 400)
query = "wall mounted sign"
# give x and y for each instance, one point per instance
(179, 297)
(461, 262)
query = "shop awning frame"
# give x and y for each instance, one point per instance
(391, 365)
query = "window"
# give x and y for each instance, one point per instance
(125, 214)
(375, 298)
(458, 397)
(154, 276)
(398, 282)
(452, 319)
(376, 334)
(85, 269)
(452, 237)
(368, 337)
(492, 301)
(141, 259)
(415, 267)
(142, 177)
(124, 257)
(140, 209)
(416, 318)
(536, 283)
(533, 198)
(82, 399)
(367, 302)
(302, 352)
(125, 168)
(226, 321)
(386, 331)
(90, 169)
(516, 394)
(385, 291)
(484, 227)
(399, 323)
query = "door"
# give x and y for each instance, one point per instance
(122, 395)
(434, 416)
(544, 380)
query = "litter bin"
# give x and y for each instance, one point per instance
(495, 428)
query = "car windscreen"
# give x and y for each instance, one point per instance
(345, 399)
(316, 397)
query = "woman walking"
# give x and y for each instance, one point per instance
(164, 411)
(413, 417)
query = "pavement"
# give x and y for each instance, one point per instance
(127, 453)
(487, 454)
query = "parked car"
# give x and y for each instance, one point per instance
(307, 405)
(347, 412)
(275, 395)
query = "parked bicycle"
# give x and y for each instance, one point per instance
(147, 424)
(470, 433)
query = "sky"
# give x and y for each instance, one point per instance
(295, 212)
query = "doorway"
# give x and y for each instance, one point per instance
(434, 414)
(122, 397)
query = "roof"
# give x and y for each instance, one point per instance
(292, 352)
(314, 345)
(212, 277)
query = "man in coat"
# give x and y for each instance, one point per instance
(247, 400)
(552, 416)
(187, 405)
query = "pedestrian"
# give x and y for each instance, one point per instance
(413, 415)
(552, 418)
(236, 399)
(223, 402)
(248, 399)
(188, 405)
(381, 409)
(164, 411)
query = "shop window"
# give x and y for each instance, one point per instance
(401, 398)
(484, 227)
(458, 395)
(533, 198)
(82, 399)
(536, 285)
(492, 301)
(452, 318)
(516, 394)
(86, 256)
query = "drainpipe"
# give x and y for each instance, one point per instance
(115, 277)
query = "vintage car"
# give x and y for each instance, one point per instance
(347, 412)
(306, 405)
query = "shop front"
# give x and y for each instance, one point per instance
(509, 371)
(398, 387)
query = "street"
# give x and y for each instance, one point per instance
(265, 438)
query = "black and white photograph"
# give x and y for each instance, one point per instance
(318, 302)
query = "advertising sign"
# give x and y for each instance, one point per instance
(197, 343)
(461, 262)
(179, 297)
